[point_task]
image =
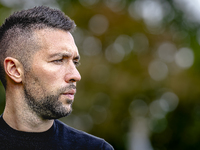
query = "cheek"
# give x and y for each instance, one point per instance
(50, 76)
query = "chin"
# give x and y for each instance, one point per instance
(56, 116)
(63, 112)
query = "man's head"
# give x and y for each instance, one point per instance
(16, 34)
(39, 55)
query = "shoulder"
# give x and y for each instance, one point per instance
(80, 137)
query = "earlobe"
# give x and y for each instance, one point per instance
(13, 69)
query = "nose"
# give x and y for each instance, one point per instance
(72, 74)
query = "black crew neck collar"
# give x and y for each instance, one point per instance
(28, 135)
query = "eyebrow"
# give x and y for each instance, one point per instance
(64, 55)
(77, 57)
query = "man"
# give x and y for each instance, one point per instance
(38, 60)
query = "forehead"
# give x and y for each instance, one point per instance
(53, 41)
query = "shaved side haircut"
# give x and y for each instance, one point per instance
(17, 38)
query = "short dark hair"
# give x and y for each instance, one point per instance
(16, 33)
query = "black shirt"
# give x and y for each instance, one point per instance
(58, 137)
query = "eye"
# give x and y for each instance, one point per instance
(58, 60)
(77, 63)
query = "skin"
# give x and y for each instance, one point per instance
(51, 79)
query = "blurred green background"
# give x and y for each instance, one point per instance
(140, 70)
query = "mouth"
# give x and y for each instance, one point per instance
(70, 94)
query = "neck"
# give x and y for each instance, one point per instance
(18, 116)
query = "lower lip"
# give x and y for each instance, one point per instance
(70, 96)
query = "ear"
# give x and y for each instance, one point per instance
(13, 69)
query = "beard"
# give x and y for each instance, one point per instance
(46, 106)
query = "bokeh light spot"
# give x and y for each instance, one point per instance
(150, 11)
(169, 101)
(98, 24)
(138, 108)
(126, 42)
(184, 58)
(87, 3)
(115, 5)
(166, 52)
(115, 53)
(156, 110)
(141, 43)
(158, 70)
(91, 46)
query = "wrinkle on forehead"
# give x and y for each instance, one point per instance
(54, 40)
